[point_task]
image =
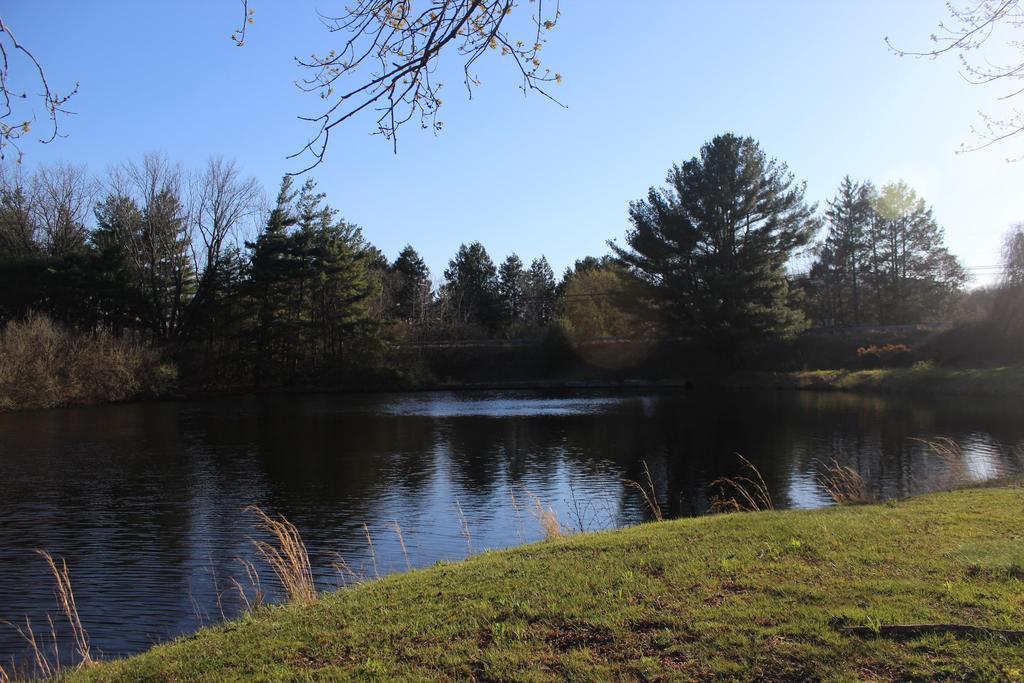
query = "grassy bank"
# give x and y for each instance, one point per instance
(922, 378)
(764, 596)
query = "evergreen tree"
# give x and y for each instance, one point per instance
(511, 289)
(714, 243)
(471, 288)
(839, 270)
(412, 286)
(541, 292)
(912, 273)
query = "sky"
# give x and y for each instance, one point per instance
(646, 83)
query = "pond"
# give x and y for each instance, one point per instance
(147, 502)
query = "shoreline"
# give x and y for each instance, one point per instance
(991, 381)
(783, 595)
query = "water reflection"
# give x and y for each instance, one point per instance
(146, 501)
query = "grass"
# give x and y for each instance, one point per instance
(793, 595)
(921, 378)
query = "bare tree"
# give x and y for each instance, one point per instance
(62, 198)
(972, 28)
(147, 213)
(390, 51)
(221, 202)
(16, 115)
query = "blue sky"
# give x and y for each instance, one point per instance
(646, 83)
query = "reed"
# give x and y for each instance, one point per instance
(401, 542)
(843, 484)
(952, 455)
(373, 550)
(748, 493)
(648, 492)
(46, 660)
(252, 576)
(66, 601)
(546, 518)
(464, 528)
(286, 556)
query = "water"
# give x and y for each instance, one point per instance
(146, 501)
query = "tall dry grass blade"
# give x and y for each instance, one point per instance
(66, 600)
(546, 518)
(287, 556)
(401, 542)
(464, 528)
(345, 571)
(843, 484)
(373, 551)
(749, 493)
(648, 492)
(519, 516)
(952, 455)
(42, 666)
(253, 578)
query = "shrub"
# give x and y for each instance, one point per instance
(44, 365)
(887, 356)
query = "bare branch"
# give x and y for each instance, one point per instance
(15, 120)
(390, 53)
(972, 28)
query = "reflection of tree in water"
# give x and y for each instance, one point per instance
(152, 495)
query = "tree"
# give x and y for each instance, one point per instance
(387, 61)
(1013, 256)
(62, 198)
(840, 265)
(972, 28)
(883, 260)
(146, 214)
(272, 263)
(470, 289)
(512, 289)
(540, 292)
(912, 272)
(412, 286)
(603, 301)
(18, 237)
(221, 201)
(714, 243)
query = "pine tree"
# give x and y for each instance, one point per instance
(511, 289)
(714, 243)
(412, 286)
(541, 292)
(471, 288)
(839, 270)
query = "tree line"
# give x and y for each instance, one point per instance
(237, 288)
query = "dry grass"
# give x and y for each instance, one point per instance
(742, 493)
(252, 576)
(648, 492)
(45, 658)
(952, 455)
(373, 550)
(546, 518)
(464, 528)
(43, 365)
(286, 556)
(843, 484)
(401, 542)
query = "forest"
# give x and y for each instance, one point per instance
(199, 279)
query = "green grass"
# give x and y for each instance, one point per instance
(924, 377)
(744, 596)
